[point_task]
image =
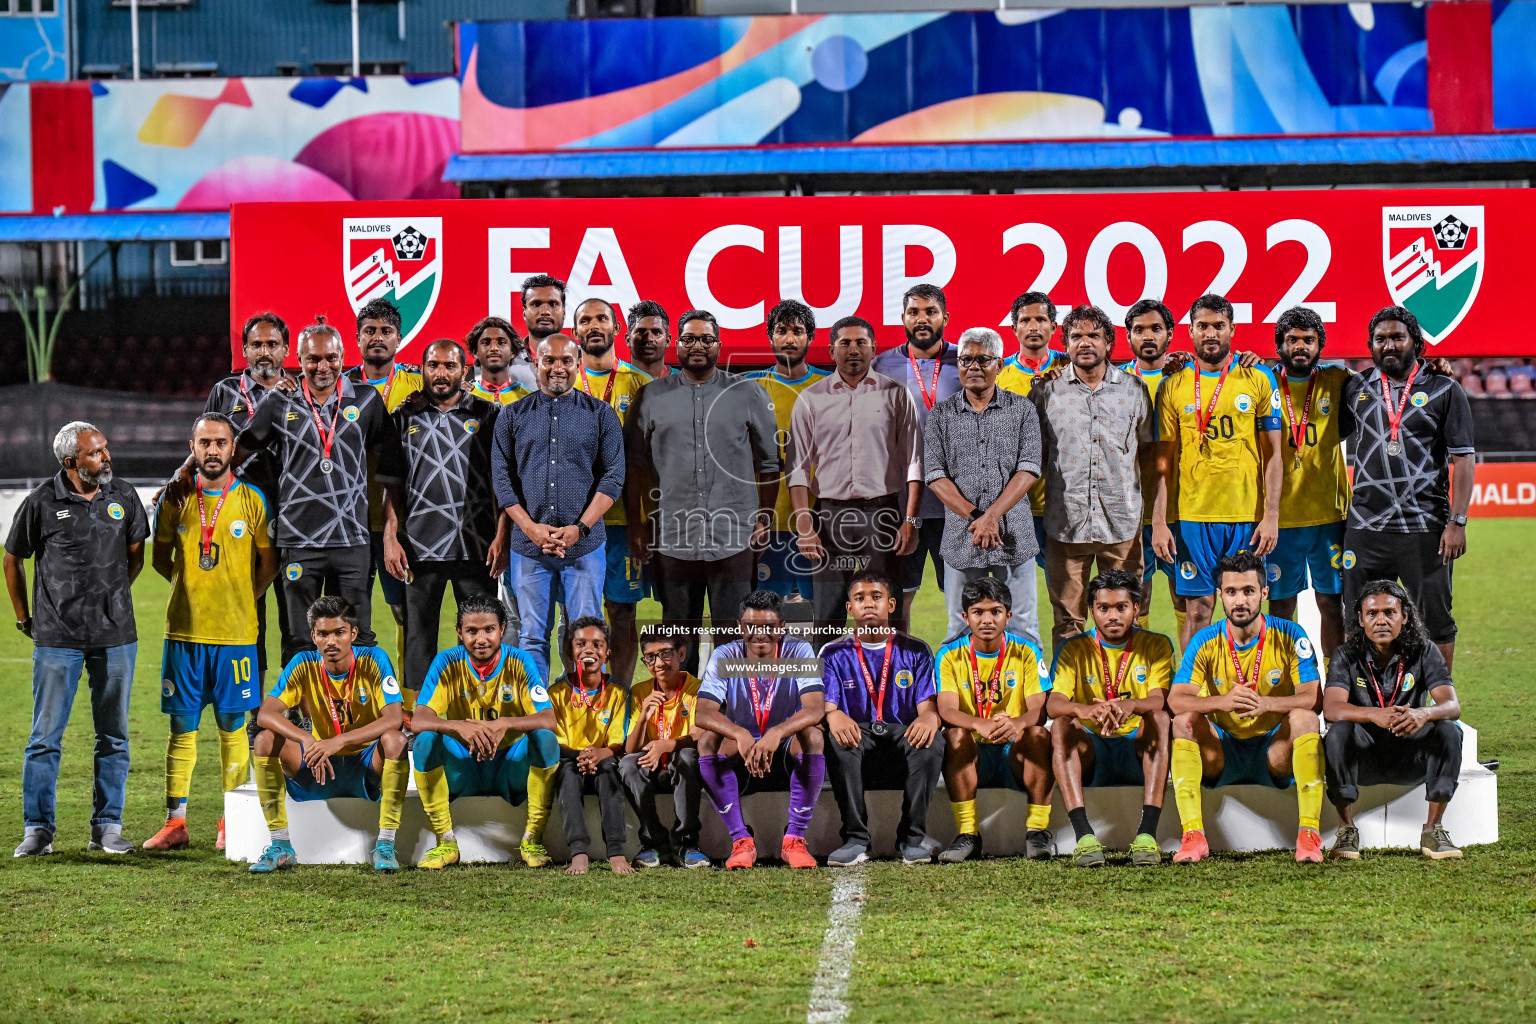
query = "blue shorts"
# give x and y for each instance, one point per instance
(1201, 546)
(1115, 762)
(354, 777)
(781, 567)
(394, 590)
(993, 770)
(1303, 552)
(1247, 761)
(1151, 564)
(193, 676)
(624, 579)
(505, 775)
(1040, 538)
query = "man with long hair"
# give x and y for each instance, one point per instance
(1392, 713)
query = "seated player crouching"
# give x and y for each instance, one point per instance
(1109, 710)
(662, 751)
(766, 724)
(1245, 710)
(992, 691)
(483, 725)
(882, 713)
(354, 746)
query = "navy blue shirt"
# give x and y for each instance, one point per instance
(909, 684)
(551, 456)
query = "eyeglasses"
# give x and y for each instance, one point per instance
(977, 362)
(655, 656)
(697, 340)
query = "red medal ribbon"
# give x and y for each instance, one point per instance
(1370, 670)
(202, 515)
(1299, 428)
(336, 703)
(1112, 688)
(496, 390)
(608, 391)
(250, 407)
(1258, 660)
(1203, 419)
(938, 362)
(1395, 420)
(664, 725)
(994, 692)
(869, 679)
(389, 383)
(591, 701)
(326, 439)
(762, 708)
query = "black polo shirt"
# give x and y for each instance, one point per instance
(80, 587)
(1408, 492)
(1347, 671)
(239, 397)
(316, 509)
(450, 508)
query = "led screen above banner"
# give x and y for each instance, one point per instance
(1451, 256)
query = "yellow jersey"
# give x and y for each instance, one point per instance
(1019, 378)
(1078, 672)
(216, 605)
(625, 382)
(578, 726)
(1024, 674)
(508, 393)
(1289, 662)
(402, 383)
(456, 690)
(1151, 378)
(354, 700)
(676, 719)
(783, 393)
(1223, 481)
(1317, 491)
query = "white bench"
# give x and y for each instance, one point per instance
(1240, 818)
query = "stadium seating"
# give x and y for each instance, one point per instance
(1242, 818)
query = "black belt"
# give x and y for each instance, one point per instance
(884, 499)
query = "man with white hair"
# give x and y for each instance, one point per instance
(86, 532)
(981, 453)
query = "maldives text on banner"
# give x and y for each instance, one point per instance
(1504, 490)
(1454, 257)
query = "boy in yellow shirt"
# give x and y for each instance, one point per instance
(660, 751)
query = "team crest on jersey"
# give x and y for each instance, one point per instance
(1407, 682)
(167, 688)
(1348, 559)
(362, 695)
(1272, 571)
(1419, 399)
(1243, 402)
(624, 402)
(606, 717)
(1273, 678)
(182, 528)
(115, 510)
(394, 258)
(1304, 647)
(763, 572)
(1011, 679)
(1432, 257)
(294, 570)
(903, 679)
(1139, 673)
(1324, 405)
(237, 529)
(351, 414)
(1187, 570)
(506, 693)
(391, 685)
(471, 426)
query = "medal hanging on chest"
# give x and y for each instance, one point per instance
(1298, 427)
(205, 560)
(1395, 416)
(1204, 415)
(327, 437)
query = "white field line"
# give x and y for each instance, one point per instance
(836, 963)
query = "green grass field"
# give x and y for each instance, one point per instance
(190, 937)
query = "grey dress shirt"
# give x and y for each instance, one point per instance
(706, 444)
(858, 442)
(980, 453)
(1091, 441)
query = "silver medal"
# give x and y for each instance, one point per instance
(1394, 448)
(205, 563)
(326, 465)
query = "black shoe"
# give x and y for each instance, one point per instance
(966, 846)
(1038, 844)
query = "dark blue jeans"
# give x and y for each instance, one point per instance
(55, 676)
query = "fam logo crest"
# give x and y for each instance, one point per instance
(294, 570)
(1432, 257)
(903, 679)
(394, 258)
(115, 510)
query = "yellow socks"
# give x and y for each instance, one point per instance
(541, 791)
(965, 817)
(234, 758)
(1039, 816)
(180, 758)
(1178, 618)
(1187, 771)
(392, 794)
(1307, 766)
(272, 788)
(432, 787)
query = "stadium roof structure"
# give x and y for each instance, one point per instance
(1227, 162)
(114, 227)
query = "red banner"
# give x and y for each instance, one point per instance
(1504, 490)
(1346, 254)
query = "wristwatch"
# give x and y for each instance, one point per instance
(22, 625)
(915, 521)
(583, 529)
(1460, 520)
(976, 513)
